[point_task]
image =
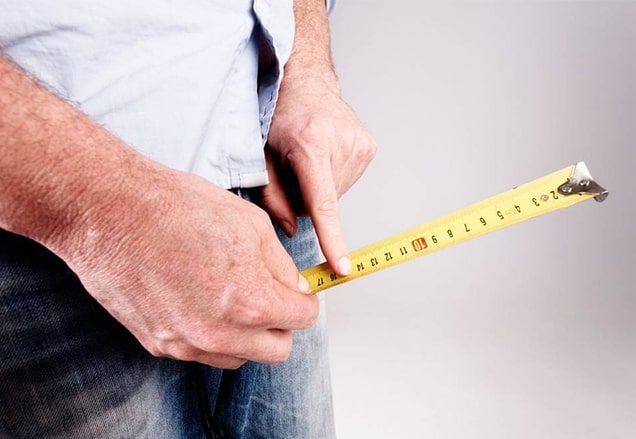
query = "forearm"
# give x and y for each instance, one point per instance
(311, 53)
(57, 167)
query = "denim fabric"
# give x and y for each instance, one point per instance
(69, 370)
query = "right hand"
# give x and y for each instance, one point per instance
(193, 271)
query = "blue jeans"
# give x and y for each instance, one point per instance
(68, 369)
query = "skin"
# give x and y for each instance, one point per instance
(99, 205)
(317, 145)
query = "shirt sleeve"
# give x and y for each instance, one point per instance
(330, 5)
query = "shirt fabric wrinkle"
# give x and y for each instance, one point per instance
(166, 103)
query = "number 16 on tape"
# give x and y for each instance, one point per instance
(554, 191)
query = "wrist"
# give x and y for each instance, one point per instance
(310, 77)
(63, 178)
(108, 210)
(310, 60)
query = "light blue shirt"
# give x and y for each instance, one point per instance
(184, 83)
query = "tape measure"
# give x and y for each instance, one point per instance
(560, 189)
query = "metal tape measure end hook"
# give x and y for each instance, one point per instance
(557, 190)
(581, 182)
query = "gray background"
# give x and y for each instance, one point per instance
(529, 332)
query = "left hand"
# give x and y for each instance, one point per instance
(317, 150)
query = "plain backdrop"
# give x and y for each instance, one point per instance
(529, 332)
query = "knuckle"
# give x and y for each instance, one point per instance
(351, 137)
(233, 363)
(281, 352)
(306, 312)
(372, 149)
(175, 350)
(311, 131)
(282, 355)
(251, 314)
(221, 361)
(312, 315)
(260, 216)
(308, 154)
(180, 352)
(367, 149)
(217, 344)
(155, 351)
(154, 345)
(327, 207)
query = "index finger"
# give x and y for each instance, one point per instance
(321, 201)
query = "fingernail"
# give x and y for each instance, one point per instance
(303, 285)
(288, 228)
(344, 265)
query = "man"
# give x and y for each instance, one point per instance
(121, 239)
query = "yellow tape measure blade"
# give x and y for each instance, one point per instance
(554, 191)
